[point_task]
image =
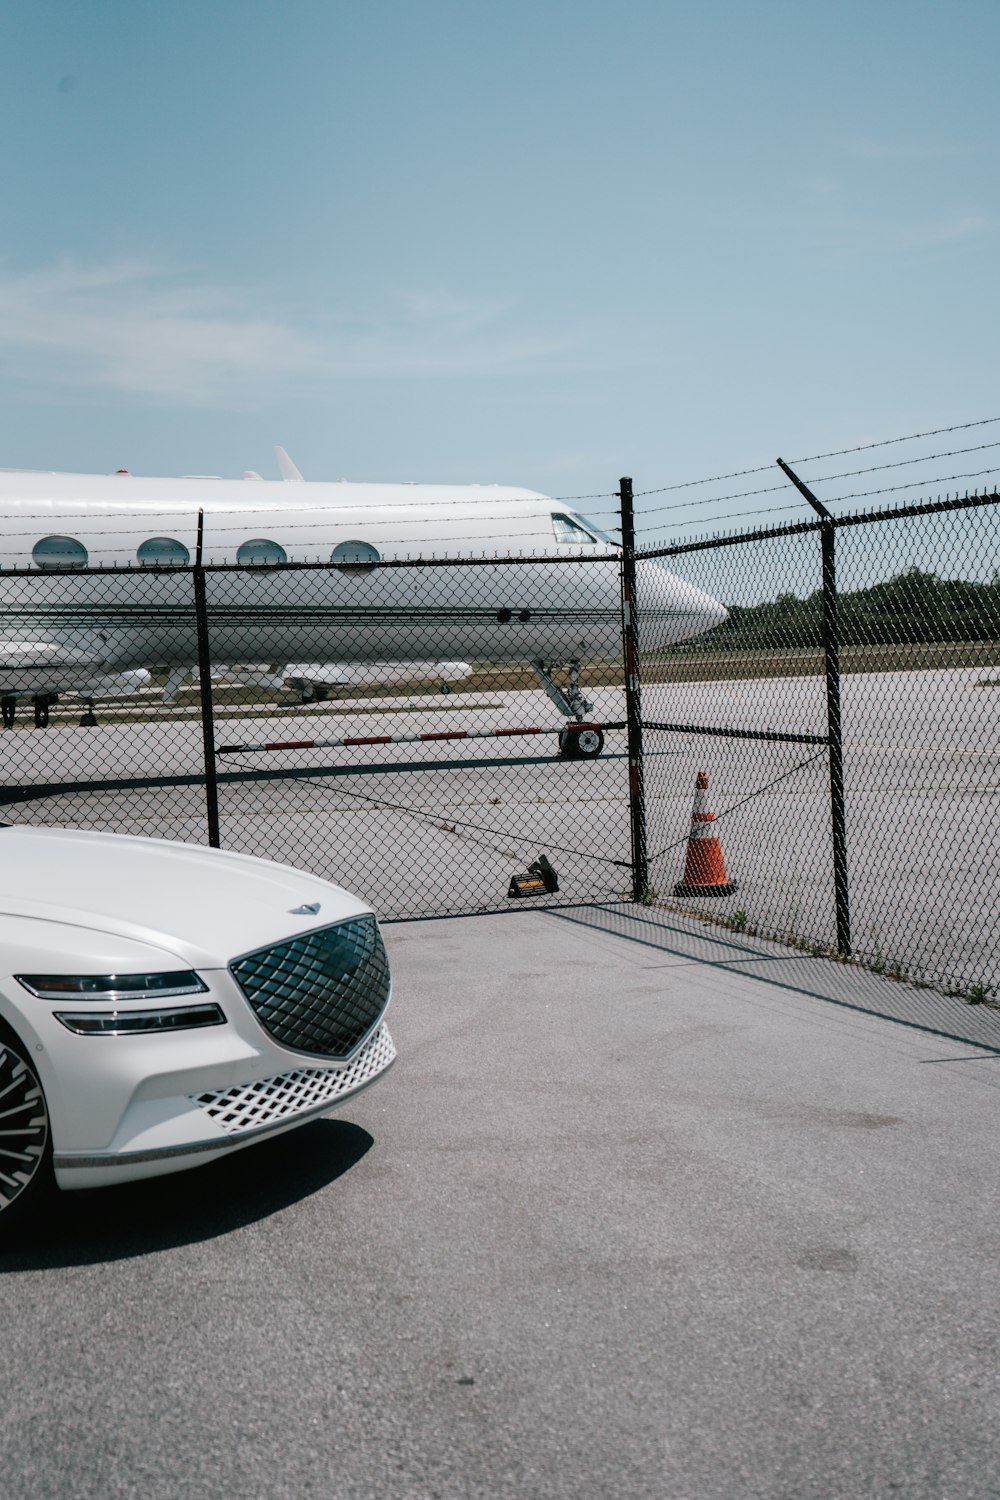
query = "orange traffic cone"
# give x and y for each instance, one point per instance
(704, 867)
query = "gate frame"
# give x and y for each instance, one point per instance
(827, 527)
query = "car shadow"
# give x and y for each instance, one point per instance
(95, 1225)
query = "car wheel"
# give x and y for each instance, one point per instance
(25, 1138)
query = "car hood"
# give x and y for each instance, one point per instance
(205, 905)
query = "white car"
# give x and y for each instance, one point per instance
(163, 1004)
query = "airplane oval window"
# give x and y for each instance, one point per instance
(355, 555)
(162, 552)
(260, 550)
(57, 552)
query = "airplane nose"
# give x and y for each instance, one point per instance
(671, 609)
(715, 613)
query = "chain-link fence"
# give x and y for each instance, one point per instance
(846, 717)
(424, 732)
(399, 728)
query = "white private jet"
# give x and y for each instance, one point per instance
(67, 628)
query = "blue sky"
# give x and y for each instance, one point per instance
(540, 244)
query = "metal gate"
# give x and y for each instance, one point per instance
(426, 786)
(845, 717)
(843, 712)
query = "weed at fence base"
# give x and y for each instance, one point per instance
(738, 921)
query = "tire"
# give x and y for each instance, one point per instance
(26, 1179)
(581, 742)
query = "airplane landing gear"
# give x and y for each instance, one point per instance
(176, 678)
(571, 699)
(581, 741)
(88, 718)
(8, 708)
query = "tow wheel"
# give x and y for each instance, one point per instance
(25, 1138)
(581, 741)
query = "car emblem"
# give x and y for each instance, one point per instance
(309, 909)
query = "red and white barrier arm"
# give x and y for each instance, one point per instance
(390, 739)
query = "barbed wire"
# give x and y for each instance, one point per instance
(571, 499)
(733, 515)
(910, 437)
(79, 506)
(688, 484)
(901, 463)
(914, 484)
(774, 510)
(768, 489)
(489, 500)
(112, 507)
(826, 478)
(332, 484)
(93, 536)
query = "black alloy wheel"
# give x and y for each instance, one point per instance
(25, 1138)
(581, 742)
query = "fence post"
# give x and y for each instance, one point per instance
(633, 699)
(205, 683)
(831, 650)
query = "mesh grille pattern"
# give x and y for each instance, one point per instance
(322, 992)
(250, 1105)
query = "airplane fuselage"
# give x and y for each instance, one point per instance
(444, 597)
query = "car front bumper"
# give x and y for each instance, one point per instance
(170, 1133)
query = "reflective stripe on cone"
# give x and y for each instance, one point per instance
(704, 866)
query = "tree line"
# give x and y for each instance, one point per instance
(914, 606)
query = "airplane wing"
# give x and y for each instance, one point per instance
(16, 656)
(39, 668)
(340, 674)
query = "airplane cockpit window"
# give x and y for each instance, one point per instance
(602, 536)
(162, 552)
(568, 530)
(58, 552)
(580, 531)
(355, 554)
(259, 550)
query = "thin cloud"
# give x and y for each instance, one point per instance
(887, 236)
(137, 327)
(848, 227)
(125, 325)
(868, 148)
(961, 228)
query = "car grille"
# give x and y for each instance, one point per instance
(321, 992)
(267, 1101)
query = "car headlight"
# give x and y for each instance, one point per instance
(113, 986)
(133, 1022)
(116, 987)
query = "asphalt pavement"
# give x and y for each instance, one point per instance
(641, 1211)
